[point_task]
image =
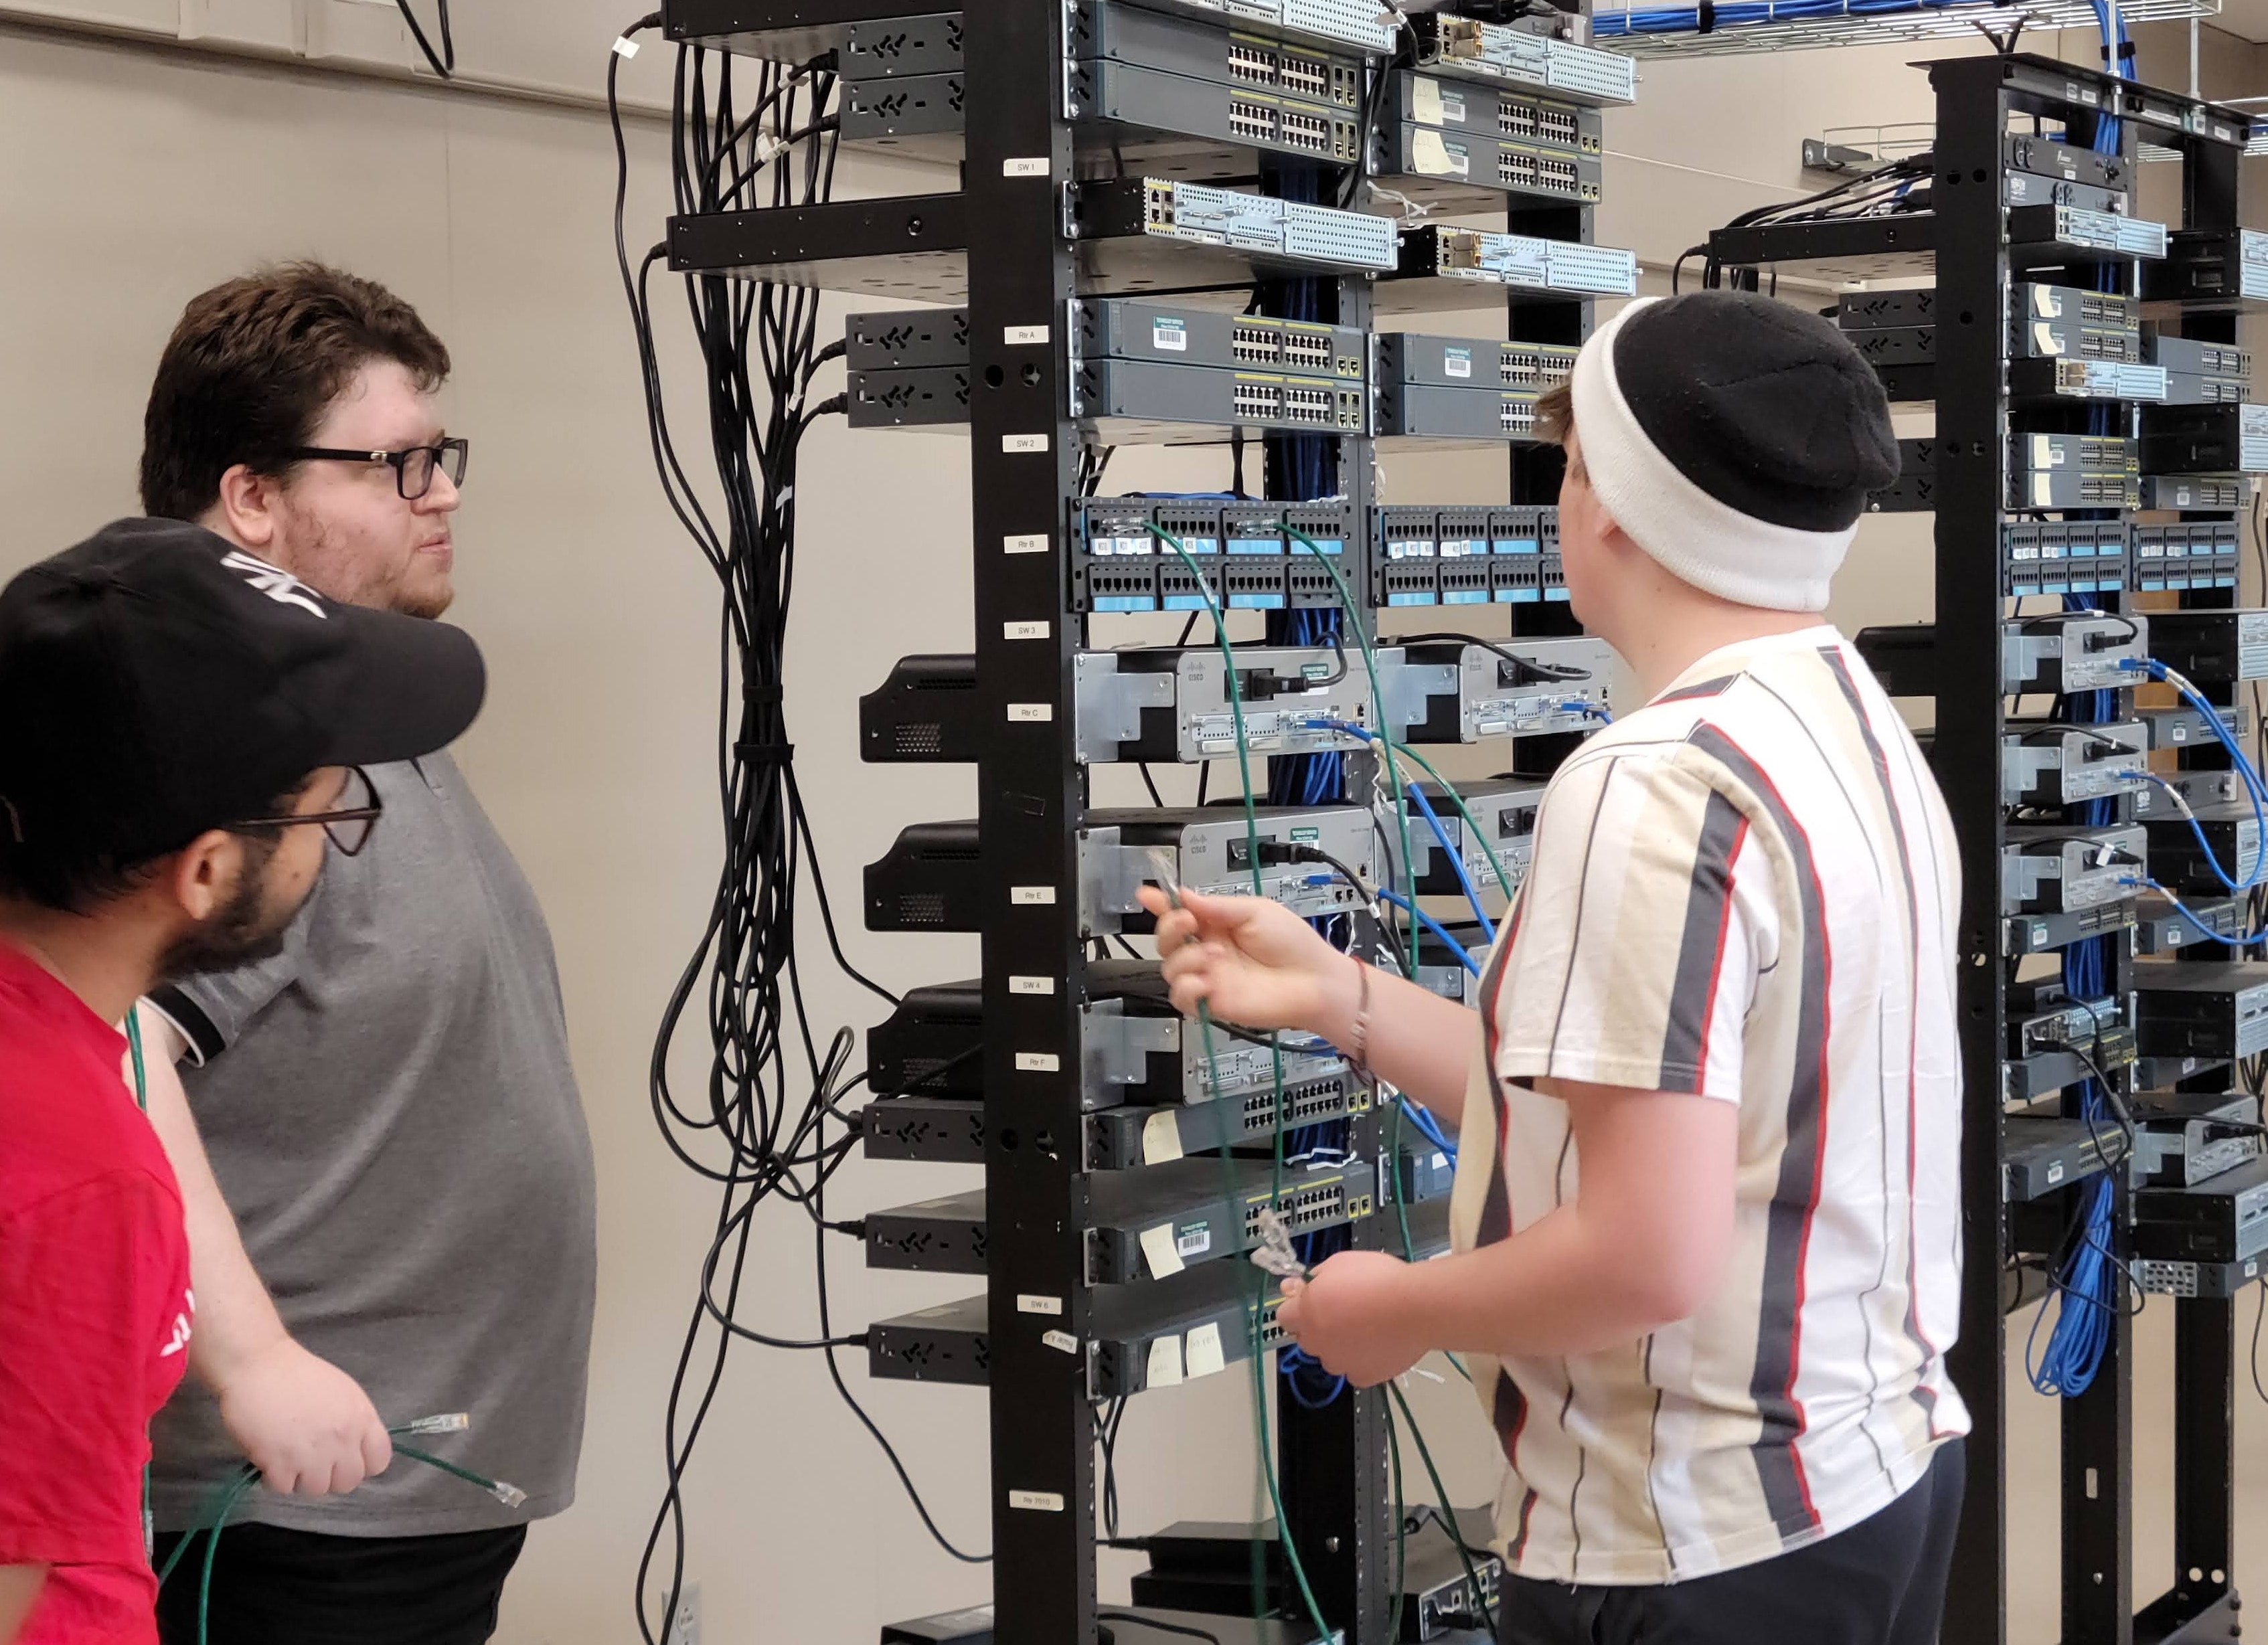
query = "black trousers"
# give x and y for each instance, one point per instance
(1881, 1583)
(277, 1587)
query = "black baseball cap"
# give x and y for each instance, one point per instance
(157, 682)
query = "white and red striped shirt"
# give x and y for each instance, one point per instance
(1745, 890)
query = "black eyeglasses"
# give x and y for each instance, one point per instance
(413, 469)
(349, 825)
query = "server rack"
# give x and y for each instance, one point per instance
(1974, 242)
(1051, 232)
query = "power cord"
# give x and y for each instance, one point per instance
(444, 65)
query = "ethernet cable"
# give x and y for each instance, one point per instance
(1456, 860)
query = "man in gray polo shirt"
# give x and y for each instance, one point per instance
(387, 1106)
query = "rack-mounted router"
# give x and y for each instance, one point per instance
(2048, 867)
(1468, 49)
(1446, 692)
(2211, 271)
(2049, 764)
(1505, 810)
(2184, 1138)
(1437, 262)
(1175, 705)
(928, 880)
(1141, 1224)
(2206, 439)
(2055, 654)
(2212, 648)
(2178, 845)
(2223, 1219)
(1207, 1307)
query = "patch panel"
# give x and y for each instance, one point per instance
(2072, 557)
(1468, 49)
(1119, 563)
(1516, 261)
(2186, 555)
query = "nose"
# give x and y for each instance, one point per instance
(442, 497)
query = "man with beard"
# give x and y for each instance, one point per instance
(182, 725)
(398, 1218)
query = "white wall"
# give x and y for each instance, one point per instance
(137, 178)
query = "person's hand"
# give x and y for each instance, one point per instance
(1348, 1315)
(1255, 962)
(305, 1424)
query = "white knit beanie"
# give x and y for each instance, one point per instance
(1735, 439)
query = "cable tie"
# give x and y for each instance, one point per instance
(625, 46)
(765, 753)
(1708, 17)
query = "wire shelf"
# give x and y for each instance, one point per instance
(1794, 24)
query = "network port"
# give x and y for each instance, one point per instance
(1310, 132)
(1346, 86)
(1523, 369)
(1343, 142)
(1559, 125)
(1255, 345)
(1517, 418)
(1515, 169)
(1557, 175)
(1309, 76)
(1515, 119)
(1258, 402)
(1254, 65)
(1309, 405)
(1308, 350)
(1350, 410)
(1249, 118)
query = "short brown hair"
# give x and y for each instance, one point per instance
(1555, 413)
(252, 366)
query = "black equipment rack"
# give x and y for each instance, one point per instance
(1970, 241)
(1049, 235)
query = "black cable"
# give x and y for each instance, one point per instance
(2257, 1312)
(1162, 1627)
(1532, 673)
(446, 64)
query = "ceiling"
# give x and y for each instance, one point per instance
(2246, 19)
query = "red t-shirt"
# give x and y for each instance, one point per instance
(94, 1312)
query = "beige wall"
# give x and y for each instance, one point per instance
(134, 179)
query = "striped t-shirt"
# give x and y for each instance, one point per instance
(1745, 889)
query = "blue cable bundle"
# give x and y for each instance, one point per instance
(1687, 19)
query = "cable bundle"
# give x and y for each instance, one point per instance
(769, 1122)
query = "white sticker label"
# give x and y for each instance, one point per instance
(1030, 713)
(1061, 1341)
(1031, 985)
(1025, 630)
(1453, 106)
(1030, 167)
(1037, 543)
(1019, 445)
(2055, 1173)
(1030, 1303)
(1170, 336)
(1158, 1251)
(1031, 896)
(1203, 1356)
(1038, 1501)
(1456, 362)
(1024, 336)
(1194, 1241)
(1432, 155)
(1161, 1138)
(1425, 101)
(1038, 1063)
(1166, 1362)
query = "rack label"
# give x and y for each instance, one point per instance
(1025, 630)
(1031, 896)
(1031, 1303)
(1024, 336)
(1037, 543)
(1203, 1356)
(1432, 155)
(1038, 1501)
(1038, 1063)
(1030, 713)
(1016, 445)
(1061, 1341)
(1426, 101)
(1170, 336)
(1165, 1363)
(1030, 166)
(1031, 985)
(1161, 1138)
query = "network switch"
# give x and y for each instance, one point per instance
(2041, 338)
(2203, 493)
(1413, 357)
(1133, 103)
(2203, 1009)
(1123, 328)
(2044, 471)
(1449, 962)
(1141, 37)
(2185, 388)
(2163, 927)
(1438, 167)
(2206, 439)
(1415, 410)
(1147, 1224)
(1489, 111)
(1110, 394)
(2191, 357)
(2043, 1153)
(2172, 730)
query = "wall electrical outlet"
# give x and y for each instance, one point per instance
(685, 1623)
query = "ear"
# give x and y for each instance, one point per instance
(246, 507)
(204, 873)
